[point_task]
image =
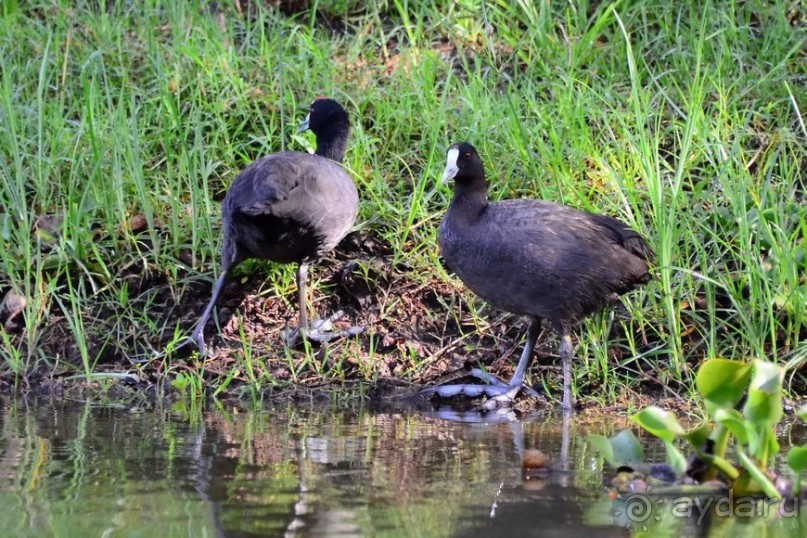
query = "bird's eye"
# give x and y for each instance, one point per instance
(467, 155)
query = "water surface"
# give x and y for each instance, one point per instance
(71, 469)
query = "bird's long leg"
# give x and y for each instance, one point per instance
(566, 350)
(302, 279)
(198, 333)
(529, 345)
(517, 382)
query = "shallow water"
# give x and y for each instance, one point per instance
(83, 470)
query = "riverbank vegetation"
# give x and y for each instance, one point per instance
(123, 123)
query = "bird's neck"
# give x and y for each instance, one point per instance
(470, 197)
(332, 143)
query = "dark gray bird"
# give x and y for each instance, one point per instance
(290, 207)
(536, 259)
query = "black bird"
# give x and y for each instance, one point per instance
(290, 207)
(533, 258)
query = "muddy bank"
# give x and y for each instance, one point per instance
(419, 331)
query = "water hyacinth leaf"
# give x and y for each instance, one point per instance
(797, 461)
(797, 458)
(659, 422)
(733, 420)
(675, 458)
(773, 444)
(753, 480)
(762, 443)
(767, 377)
(697, 436)
(764, 403)
(602, 445)
(618, 450)
(626, 448)
(746, 486)
(754, 440)
(722, 382)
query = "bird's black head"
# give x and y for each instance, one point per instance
(323, 114)
(329, 122)
(462, 161)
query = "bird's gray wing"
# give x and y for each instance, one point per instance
(286, 184)
(266, 183)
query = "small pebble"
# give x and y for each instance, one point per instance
(638, 486)
(138, 224)
(783, 485)
(534, 459)
(12, 305)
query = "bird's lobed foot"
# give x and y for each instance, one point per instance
(326, 336)
(320, 330)
(467, 390)
(505, 399)
(197, 339)
(500, 395)
(489, 379)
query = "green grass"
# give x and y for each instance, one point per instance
(686, 121)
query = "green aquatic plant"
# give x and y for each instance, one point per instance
(743, 402)
(188, 384)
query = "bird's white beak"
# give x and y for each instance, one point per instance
(451, 165)
(304, 126)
